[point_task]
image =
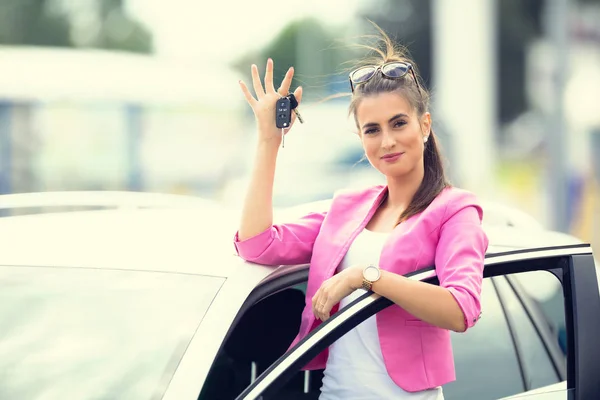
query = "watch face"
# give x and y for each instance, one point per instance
(371, 273)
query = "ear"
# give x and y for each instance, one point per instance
(426, 124)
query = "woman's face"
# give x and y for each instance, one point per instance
(392, 133)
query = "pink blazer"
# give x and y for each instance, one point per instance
(448, 234)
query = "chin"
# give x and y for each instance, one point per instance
(393, 172)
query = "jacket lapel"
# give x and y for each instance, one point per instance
(357, 211)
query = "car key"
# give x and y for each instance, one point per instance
(283, 116)
(294, 105)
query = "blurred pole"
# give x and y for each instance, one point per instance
(556, 29)
(302, 58)
(133, 115)
(309, 63)
(24, 148)
(6, 157)
(464, 87)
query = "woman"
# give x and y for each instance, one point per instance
(369, 238)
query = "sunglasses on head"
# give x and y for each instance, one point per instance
(391, 70)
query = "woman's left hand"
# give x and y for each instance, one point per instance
(334, 289)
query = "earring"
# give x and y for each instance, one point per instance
(425, 139)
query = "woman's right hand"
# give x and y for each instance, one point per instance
(264, 104)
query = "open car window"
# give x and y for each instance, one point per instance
(556, 260)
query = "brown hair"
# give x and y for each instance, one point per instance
(434, 179)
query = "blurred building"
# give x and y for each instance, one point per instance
(104, 120)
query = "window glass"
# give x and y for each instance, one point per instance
(486, 362)
(95, 334)
(546, 291)
(538, 367)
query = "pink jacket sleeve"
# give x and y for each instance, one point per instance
(282, 244)
(459, 258)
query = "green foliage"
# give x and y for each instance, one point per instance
(53, 23)
(32, 22)
(118, 30)
(316, 54)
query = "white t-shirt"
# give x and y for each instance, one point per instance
(355, 368)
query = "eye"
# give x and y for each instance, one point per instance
(399, 123)
(370, 131)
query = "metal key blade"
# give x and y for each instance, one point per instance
(294, 105)
(295, 110)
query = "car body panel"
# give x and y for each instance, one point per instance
(193, 368)
(100, 199)
(120, 239)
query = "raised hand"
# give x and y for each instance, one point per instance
(264, 104)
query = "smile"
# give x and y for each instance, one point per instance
(393, 157)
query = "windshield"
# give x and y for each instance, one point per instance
(95, 334)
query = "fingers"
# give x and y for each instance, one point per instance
(320, 305)
(298, 94)
(325, 309)
(258, 89)
(284, 89)
(251, 100)
(269, 77)
(318, 312)
(314, 304)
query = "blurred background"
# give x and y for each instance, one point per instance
(142, 95)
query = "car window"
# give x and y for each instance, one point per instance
(486, 362)
(545, 290)
(538, 367)
(95, 334)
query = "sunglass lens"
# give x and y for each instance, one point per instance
(395, 70)
(362, 74)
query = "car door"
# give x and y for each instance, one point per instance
(512, 332)
(574, 267)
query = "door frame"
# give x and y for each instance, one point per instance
(573, 264)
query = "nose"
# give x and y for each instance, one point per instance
(387, 141)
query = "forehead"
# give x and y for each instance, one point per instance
(381, 107)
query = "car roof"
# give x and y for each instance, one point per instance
(73, 199)
(190, 240)
(173, 240)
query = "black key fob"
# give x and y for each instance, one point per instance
(293, 101)
(283, 114)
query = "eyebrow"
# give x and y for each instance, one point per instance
(395, 117)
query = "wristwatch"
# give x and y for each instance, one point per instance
(371, 274)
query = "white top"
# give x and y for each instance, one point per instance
(355, 368)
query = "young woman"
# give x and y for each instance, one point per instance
(369, 238)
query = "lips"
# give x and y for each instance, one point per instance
(391, 156)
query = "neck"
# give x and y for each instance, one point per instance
(401, 190)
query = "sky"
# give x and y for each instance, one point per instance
(191, 30)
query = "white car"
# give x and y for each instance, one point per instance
(152, 303)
